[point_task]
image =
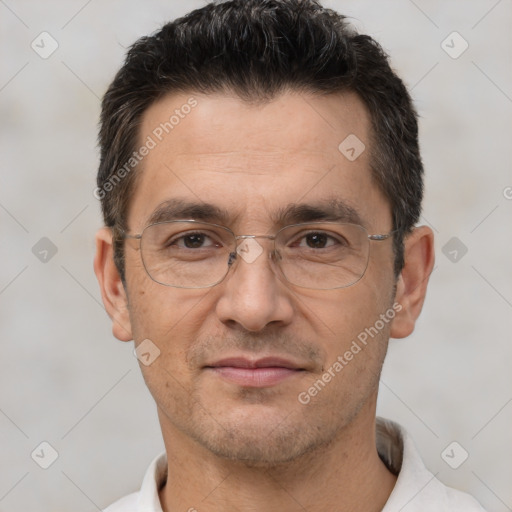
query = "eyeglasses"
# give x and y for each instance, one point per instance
(194, 254)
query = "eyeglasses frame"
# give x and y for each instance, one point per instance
(233, 255)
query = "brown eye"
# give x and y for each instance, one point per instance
(316, 240)
(193, 241)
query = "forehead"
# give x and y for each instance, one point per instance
(253, 159)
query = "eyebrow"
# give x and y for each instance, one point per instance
(332, 209)
(180, 209)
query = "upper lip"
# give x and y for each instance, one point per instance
(264, 362)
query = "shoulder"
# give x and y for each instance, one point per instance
(145, 500)
(435, 496)
(416, 488)
(126, 504)
(458, 500)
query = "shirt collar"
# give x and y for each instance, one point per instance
(154, 479)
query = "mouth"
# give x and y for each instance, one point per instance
(264, 372)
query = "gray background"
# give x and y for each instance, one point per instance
(65, 380)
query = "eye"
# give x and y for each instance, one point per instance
(319, 240)
(193, 241)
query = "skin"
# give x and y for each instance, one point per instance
(235, 448)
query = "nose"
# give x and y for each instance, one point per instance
(252, 294)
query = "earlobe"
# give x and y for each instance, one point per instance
(112, 289)
(413, 280)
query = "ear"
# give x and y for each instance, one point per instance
(413, 280)
(112, 289)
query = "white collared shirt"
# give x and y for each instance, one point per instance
(416, 488)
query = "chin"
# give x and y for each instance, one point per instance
(261, 439)
(258, 452)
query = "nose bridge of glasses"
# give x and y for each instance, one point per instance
(244, 237)
(249, 249)
(245, 241)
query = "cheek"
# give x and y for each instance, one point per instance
(169, 317)
(341, 314)
(155, 315)
(161, 327)
(360, 323)
(152, 306)
(355, 323)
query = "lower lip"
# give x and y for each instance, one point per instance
(255, 377)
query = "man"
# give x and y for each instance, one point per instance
(260, 181)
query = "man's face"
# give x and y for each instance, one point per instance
(253, 161)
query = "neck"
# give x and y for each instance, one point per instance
(345, 475)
